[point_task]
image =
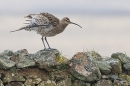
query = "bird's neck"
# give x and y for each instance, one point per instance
(62, 25)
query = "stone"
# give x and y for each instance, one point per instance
(105, 77)
(125, 77)
(65, 82)
(120, 83)
(83, 67)
(41, 83)
(127, 65)
(122, 57)
(113, 76)
(37, 80)
(46, 59)
(6, 63)
(32, 80)
(1, 83)
(8, 53)
(15, 84)
(80, 83)
(29, 82)
(25, 61)
(104, 68)
(21, 52)
(115, 65)
(47, 83)
(13, 77)
(103, 82)
(95, 55)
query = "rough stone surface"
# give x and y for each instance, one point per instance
(127, 65)
(95, 55)
(80, 83)
(50, 68)
(7, 53)
(125, 77)
(21, 52)
(120, 83)
(13, 77)
(6, 63)
(32, 80)
(15, 84)
(103, 82)
(104, 68)
(1, 83)
(122, 57)
(46, 59)
(115, 65)
(83, 67)
(113, 76)
(25, 61)
(65, 82)
(49, 83)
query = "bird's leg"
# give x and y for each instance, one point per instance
(47, 42)
(43, 42)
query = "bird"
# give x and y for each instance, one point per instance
(46, 24)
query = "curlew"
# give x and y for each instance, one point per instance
(46, 25)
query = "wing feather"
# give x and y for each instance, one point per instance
(53, 20)
(40, 21)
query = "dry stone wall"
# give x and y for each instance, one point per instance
(50, 68)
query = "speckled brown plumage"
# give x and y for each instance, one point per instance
(46, 25)
(54, 20)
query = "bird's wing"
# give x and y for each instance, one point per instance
(53, 20)
(38, 20)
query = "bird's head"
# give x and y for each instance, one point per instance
(67, 21)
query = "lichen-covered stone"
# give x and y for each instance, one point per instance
(103, 82)
(13, 77)
(25, 61)
(120, 83)
(47, 83)
(46, 59)
(105, 77)
(104, 68)
(65, 82)
(95, 55)
(50, 68)
(7, 53)
(15, 84)
(127, 65)
(37, 80)
(113, 76)
(125, 77)
(29, 82)
(1, 83)
(6, 63)
(84, 68)
(122, 57)
(115, 65)
(80, 83)
(21, 52)
(41, 83)
(32, 80)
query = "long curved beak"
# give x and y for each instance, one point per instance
(75, 24)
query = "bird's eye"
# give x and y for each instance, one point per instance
(67, 20)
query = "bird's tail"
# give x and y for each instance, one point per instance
(18, 29)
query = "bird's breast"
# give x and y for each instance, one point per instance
(52, 32)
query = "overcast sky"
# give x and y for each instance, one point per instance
(16, 7)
